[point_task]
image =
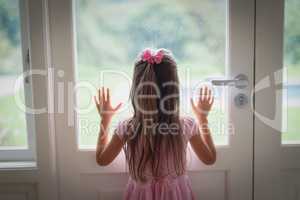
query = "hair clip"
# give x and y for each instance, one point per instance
(152, 56)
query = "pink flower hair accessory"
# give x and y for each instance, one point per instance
(152, 56)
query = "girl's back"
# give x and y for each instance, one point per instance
(168, 185)
(155, 138)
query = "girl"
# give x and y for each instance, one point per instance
(155, 138)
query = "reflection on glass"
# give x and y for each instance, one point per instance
(111, 33)
(12, 119)
(292, 80)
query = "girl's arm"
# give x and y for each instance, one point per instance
(106, 151)
(203, 144)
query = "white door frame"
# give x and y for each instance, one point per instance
(268, 59)
(21, 178)
(265, 52)
(45, 175)
(75, 165)
(275, 164)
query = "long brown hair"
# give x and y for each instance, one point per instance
(155, 100)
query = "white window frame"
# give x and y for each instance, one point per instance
(12, 154)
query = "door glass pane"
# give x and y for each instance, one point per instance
(12, 119)
(292, 79)
(109, 34)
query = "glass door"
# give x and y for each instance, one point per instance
(16, 122)
(106, 48)
(96, 43)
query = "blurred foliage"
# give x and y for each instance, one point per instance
(9, 18)
(292, 33)
(111, 33)
(10, 54)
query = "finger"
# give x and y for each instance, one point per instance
(97, 104)
(95, 100)
(99, 95)
(107, 95)
(118, 106)
(212, 100)
(201, 93)
(205, 92)
(100, 98)
(210, 94)
(103, 94)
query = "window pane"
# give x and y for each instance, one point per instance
(12, 119)
(111, 33)
(292, 80)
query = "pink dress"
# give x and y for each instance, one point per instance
(170, 187)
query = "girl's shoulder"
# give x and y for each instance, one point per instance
(188, 121)
(187, 118)
(189, 126)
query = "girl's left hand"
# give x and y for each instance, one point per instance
(103, 104)
(204, 103)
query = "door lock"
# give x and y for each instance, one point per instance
(240, 100)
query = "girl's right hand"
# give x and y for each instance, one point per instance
(103, 105)
(203, 104)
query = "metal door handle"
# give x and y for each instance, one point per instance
(240, 81)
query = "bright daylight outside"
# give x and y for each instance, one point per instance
(109, 35)
(291, 134)
(13, 132)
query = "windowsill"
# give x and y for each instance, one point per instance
(17, 165)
